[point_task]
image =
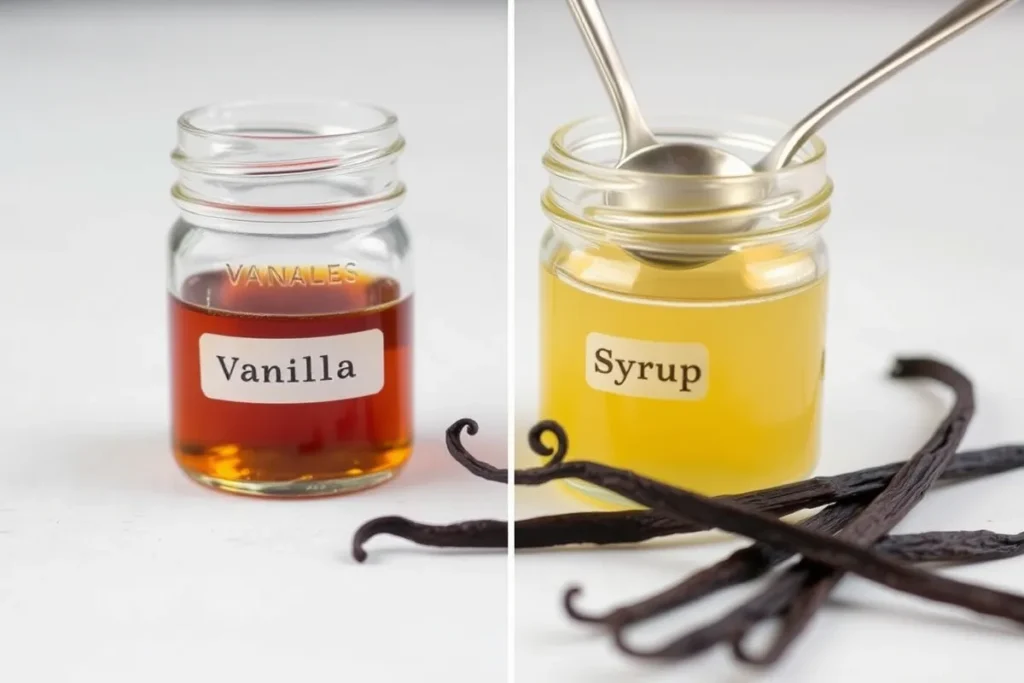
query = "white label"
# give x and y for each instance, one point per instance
(306, 370)
(647, 369)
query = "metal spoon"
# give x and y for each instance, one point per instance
(641, 150)
(951, 24)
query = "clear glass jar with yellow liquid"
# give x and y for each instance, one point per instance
(685, 342)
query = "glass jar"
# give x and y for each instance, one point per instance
(290, 282)
(687, 342)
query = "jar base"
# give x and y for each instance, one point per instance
(280, 474)
(311, 488)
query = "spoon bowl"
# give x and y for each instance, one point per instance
(668, 190)
(660, 193)
(685, 159)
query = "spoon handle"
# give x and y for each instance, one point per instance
(951, 24)
(636, 134)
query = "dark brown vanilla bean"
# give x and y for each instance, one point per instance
(743, 565)
(840, 538)
(952, 546)
(934, 546)
(478, 533)
(893, 503)
(621, 527)
(757, 559)
(730, 517)
(634, 526)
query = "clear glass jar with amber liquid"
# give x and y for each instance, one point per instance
(685, 342)
(290, 287)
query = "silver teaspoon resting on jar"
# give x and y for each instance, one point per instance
(951, 24)
(641, 150)
(643, 153)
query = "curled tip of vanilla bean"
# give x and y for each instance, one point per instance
(479, 468)
(469, 424)
(382, 525)
(475, 533)
(688, 646)
(569, 602)
(537, 445)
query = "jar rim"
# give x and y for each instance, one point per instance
(286, 136)
(288, 159)
(691, 213)
(811, 152)
(324, 131)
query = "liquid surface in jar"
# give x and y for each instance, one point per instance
(718, 392)
(318, 446)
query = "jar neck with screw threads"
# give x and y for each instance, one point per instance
(750, 235)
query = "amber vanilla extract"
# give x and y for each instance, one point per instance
(241, 420)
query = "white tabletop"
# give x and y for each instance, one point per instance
(926, 258)
(114, 567)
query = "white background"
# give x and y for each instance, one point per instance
(114, 567)
(926, 245)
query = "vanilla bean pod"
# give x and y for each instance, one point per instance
(756, 560)
(932, 546)
(631, 526)
(927, 547)
(477, 533)
(634, 526)
(936, 546)
(879, 516)
(730, 517)
(755, 525)
(744, 565)
(952, 546)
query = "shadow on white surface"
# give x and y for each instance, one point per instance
(383, 549)
(924, 615)
(136, 462)
(141, 462)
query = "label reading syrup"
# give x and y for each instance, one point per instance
(307, 370)
(647, 369)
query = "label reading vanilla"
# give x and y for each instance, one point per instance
(303, 370)
(647, 369)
